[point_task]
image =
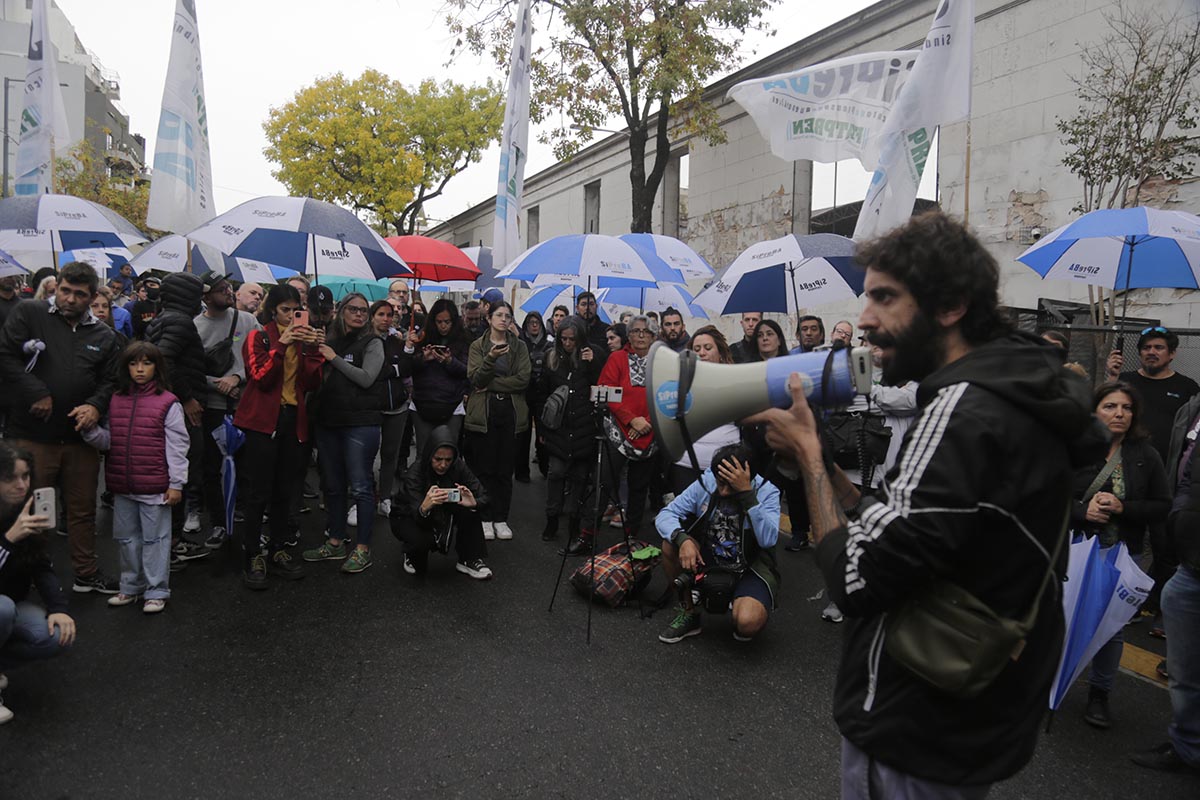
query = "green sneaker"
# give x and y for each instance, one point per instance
(326, 552)
(685, 624)
(358, 561)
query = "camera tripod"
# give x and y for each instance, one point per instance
(600, 410)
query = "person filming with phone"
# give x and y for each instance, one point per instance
(719, 539)
(438, 508)
(28, 631)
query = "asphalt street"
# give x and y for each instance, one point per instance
(389, 685)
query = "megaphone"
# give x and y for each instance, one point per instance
(716, 394)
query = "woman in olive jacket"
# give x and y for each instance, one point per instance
(498, 368)
(571, 446)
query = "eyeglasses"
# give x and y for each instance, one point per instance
(636, 331)
(357, 309)
(1154, 329)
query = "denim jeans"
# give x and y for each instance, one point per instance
(143, 535)
(1181, 617)
(23, 634)
(347, 456)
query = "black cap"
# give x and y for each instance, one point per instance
(212, 279)
(144, 279)
(321, 297)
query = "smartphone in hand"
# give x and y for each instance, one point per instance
(301, 317)
(46, 505)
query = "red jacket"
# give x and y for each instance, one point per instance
(633, 404)
(258, 408)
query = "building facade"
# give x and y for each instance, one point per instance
(722, 198)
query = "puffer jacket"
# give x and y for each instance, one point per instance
(174, 332)
(575, 438)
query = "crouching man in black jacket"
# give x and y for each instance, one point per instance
(439, 505)
(977, 498)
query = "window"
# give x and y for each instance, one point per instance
(591, 207)
(533, 226)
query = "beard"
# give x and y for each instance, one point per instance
(1154, 369)
(916, 351)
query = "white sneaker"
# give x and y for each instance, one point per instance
(489, 532)
(502, 530)
(476, 569)
(5, 714)
(192, 523)
(408, 565)
(832, 613)
(3, 681)
(352, 517)
(385, 508)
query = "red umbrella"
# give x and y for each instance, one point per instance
(433, 259)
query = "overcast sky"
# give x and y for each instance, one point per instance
(258, 53)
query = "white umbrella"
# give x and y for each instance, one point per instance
(33, 228)
(590, 259)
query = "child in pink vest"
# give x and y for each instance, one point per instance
(146, 467)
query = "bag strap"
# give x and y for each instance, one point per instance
(1025, 625)
(232, 325)
(1110, 466)
(687, 372)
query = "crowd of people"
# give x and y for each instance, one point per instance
(123, 394)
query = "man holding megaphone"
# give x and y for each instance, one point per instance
(974, 508)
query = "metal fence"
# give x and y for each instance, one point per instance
(1091, 344)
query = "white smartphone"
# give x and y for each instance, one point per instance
(45, 505)
(453, 496)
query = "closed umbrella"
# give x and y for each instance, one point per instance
(787, 275)
(228, 438)
(300, 233)
(1104, 589)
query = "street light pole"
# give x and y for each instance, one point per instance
(7, 81)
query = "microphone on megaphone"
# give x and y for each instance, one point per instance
(716, 394)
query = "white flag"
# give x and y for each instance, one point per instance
(43, 115)
(939, 91)
(506, 241)
(181, 186)
(829, 111)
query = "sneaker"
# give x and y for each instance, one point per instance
(154, 605)
(357, 562)
(292, 539)
(408, 565)
(282, 564)
(385, 508)
(96, 582)
(310, 493)
(121, 599)
(1163, 758)
(1096, 714)
(176, 564)
(502, 530)
(489, 533)
(686, 623)
(3, 681)
(106, 500)
(581, 545)
(476, 569)
(550, 532)
(189, 551)
(737, 637)
(238, 516)
(192, 523)
(216, 538)
(1161, 670)
(352, 517)
(326, 552)
(256, 576)
(615, 522)
(5, 714)
(832, 613)
(799, 542)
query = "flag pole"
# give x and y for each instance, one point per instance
(966, 178)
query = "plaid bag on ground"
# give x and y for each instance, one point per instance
(618, 577)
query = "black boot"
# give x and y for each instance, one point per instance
(581, 545)
(550, 532)
(572, 527)
(1096, 713)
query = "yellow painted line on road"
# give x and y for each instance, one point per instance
(1142, 662)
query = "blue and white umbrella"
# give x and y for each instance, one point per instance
(107, 262)
(545, 299)
(229, 439)
(33, 228)
(170, 254)
(677, 255)
(658, 299)
(588, 259)
(787, 275)
(10, 266)
(1122, 248)
(1104, 589)
(309, 236)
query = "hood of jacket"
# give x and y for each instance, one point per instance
(438, 437)
(181, 291)
(1029, 373)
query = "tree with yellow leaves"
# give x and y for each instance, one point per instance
(373, 145)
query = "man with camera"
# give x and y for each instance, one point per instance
(973, 515)
(719, 544)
